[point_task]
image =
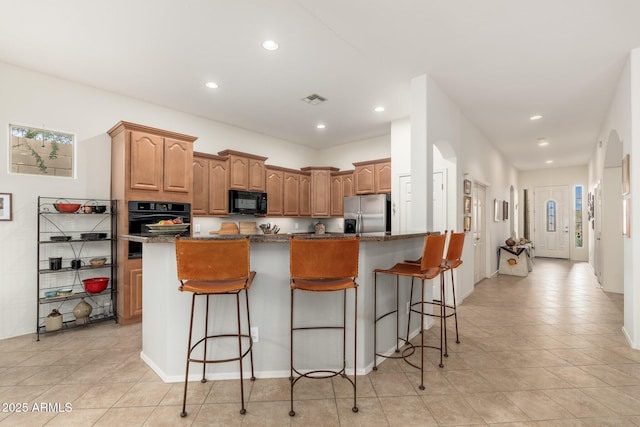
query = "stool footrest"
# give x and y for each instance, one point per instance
(233, 359)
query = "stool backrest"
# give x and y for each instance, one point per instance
(324, 258)
(212, 259)
(456, 242)
(433, 251)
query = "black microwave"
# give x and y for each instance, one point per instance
(247, 202)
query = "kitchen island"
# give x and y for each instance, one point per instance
(165, 310)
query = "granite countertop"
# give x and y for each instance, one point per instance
(268, 238)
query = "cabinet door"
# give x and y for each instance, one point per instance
(304, 200)
(147, 152)
(364, 179)
(274, 191)
(135, 292)
(238, 172)
(200, 205)
(218, 187)
(336, 196)
(256, 175)
(291, 205)
(383, 177)
(178, 166)
(320, 193)
(347, 186)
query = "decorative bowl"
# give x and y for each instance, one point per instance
(64, 292)
(67, 207)
(167, 229)
(97, 262)
(95, 285)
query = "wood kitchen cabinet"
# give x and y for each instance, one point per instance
(372, 177)
(246, 171)
(304, 198)
(275, 190)
(146, 164)
(341, 187)
(291, 203)
(210, 185)
(320, 190)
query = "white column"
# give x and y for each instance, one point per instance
(421, 158)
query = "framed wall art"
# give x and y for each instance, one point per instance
(467, 205)
(5, 207)
(467, 223)
(467, 186)
(626, 186)
(505, 210)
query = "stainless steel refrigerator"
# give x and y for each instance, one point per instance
(367, 214)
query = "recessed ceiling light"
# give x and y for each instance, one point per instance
(379, 109)
(270, 45)
(535, 117)
(542, 142)
(321, 126)
(549, 162)
(211, 85)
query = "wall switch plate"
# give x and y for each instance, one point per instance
(295, 225)
(197, 228)
(255, 334)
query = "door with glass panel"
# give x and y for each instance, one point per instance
(551, 219)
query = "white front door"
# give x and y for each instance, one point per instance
(551, 231)
(479, 230)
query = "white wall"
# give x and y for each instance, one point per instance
(572, 176)
(39, 100)
(623, 118)
(343, 156)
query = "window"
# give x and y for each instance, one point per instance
(41, 152)
(551, 216)
(578, 209)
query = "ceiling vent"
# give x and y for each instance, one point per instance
(314, 99)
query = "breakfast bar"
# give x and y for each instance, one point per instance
(165, 313)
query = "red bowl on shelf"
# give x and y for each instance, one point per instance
(66, 207)
(95, 285)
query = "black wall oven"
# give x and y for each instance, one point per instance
(142, 213)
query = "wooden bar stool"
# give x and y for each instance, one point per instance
(430, 267)
(215, 267)
(325, 265)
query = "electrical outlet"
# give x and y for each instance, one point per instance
(295, 225)
(197, 228)
(255, 334)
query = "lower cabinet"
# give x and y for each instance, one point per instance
(130, 292)
(135, 292)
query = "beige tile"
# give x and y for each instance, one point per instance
(124, 417)
(468, 381)
(579, 404)
(609, 422)
(144, 394)
(495, 408)
(576, 377)
(315, 413)
(270, 389)
(369, 413)
(266, 413)
(407, 411)
(537, 405)
(27, 419)
(169, 416)
(391, 384)
(102, 395)
(451, 410)
(344, 389)
(229, 391)
(615, 399)
(611, 375)
(197, 392)
(77, 417)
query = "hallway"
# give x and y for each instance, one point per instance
(537, 351)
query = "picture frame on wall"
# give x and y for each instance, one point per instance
(505, 210)
(467, 205)
(497, 210)
(6, 208)
(626, 185)
(467, 223)
(626, 217)
(467, 186)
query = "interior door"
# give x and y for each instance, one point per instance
(439, 202)
(405, 202)
(551, 221)
(479, 230)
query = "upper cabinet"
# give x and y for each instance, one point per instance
(246, 171)
(320, 190)
(210, 185)
(275, 190)
(373, 177)
(151, 164)
(341, 187)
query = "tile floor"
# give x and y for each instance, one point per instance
(546, 350)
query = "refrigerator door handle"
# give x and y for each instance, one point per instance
(359, 223)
